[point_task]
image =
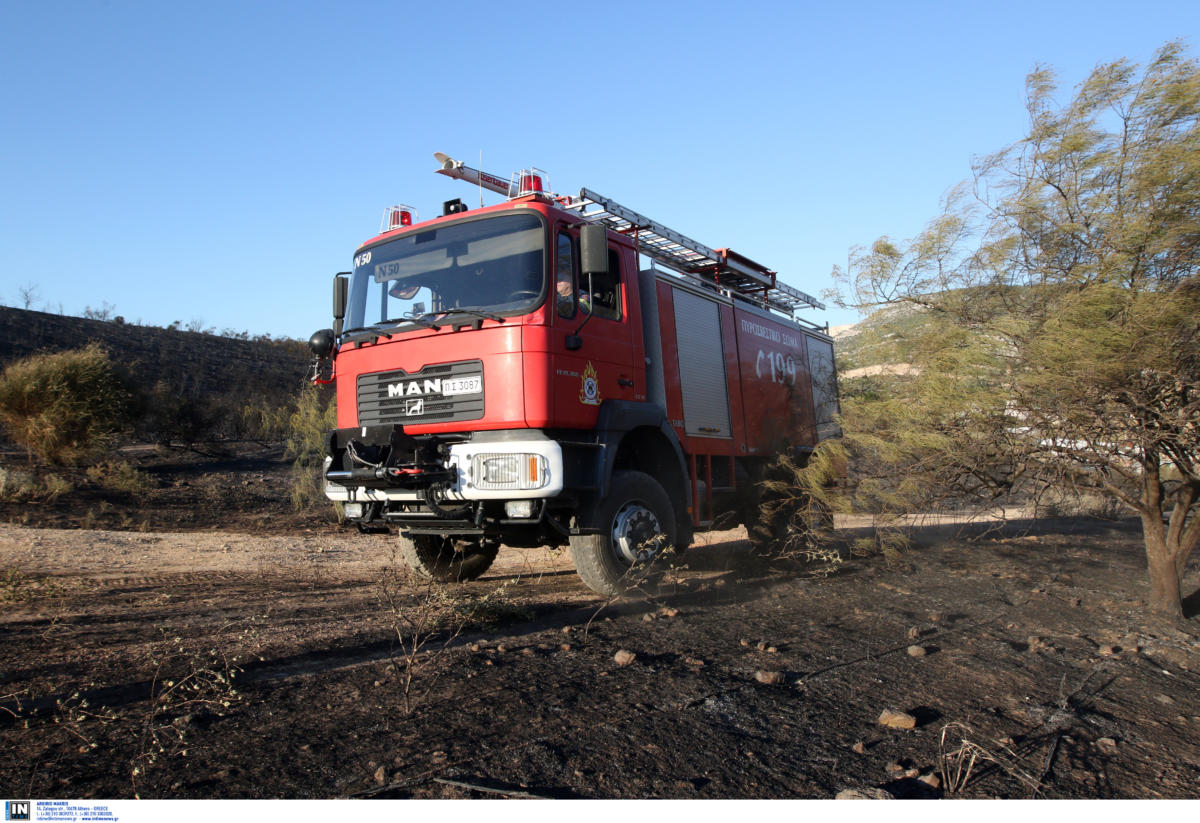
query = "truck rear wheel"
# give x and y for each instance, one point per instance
(636, 524)
(448, 559)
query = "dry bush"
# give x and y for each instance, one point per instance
(65, 407)
(795, 519)
(18, 587)
(119, 475)
(426, 617)
(19, 487)
(967, 760)
(302, 424)
(188, 680)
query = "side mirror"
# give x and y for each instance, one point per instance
(341, 288)
(593, 249)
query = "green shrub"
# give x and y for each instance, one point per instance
(313, 416)
(65, 407)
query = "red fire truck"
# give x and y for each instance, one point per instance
(512, 375)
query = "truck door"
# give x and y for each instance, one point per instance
(602, 367)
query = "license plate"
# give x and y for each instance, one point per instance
(462, 385)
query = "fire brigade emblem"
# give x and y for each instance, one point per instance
(589, 389)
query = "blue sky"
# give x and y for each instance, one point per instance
(217, 162)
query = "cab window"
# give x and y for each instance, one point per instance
(606, 289)
(564, 275)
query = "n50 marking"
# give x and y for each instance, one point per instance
(779, 366)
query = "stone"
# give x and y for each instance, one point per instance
(859, 748)
(914, 633)
(768, 678)
(931, 780)
(381, 775)
(863, 794)
(1107, 745)
(624, 657)
(669, 612)
(566, 647)
(894, 719)
(916, 651)
(1108, 650)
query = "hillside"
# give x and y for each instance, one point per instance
(191, 364)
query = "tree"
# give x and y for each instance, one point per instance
(1048, 319)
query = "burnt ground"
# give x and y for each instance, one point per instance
(198, 640)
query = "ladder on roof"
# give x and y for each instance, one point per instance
(723, 268)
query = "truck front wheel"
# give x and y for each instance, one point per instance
(448, 559)
(635, 525)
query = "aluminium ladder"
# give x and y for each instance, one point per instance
(723, 268)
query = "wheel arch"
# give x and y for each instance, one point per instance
(637, 437)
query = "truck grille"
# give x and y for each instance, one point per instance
(400, 397)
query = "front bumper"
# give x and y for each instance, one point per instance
(514, 465)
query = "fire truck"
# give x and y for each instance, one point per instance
(512, 374)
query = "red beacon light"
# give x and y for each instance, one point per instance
(397, 217)
(528, 181)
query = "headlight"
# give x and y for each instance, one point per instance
(509, 471)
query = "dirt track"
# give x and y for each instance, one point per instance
(1034, 656)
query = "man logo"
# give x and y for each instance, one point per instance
(16, 810)
(414, 406)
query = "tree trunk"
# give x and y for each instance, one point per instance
(1165, 595)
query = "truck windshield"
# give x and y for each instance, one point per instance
(494, 264)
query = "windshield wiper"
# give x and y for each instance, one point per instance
(420, 320)
(376, 330)
(473, 311)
